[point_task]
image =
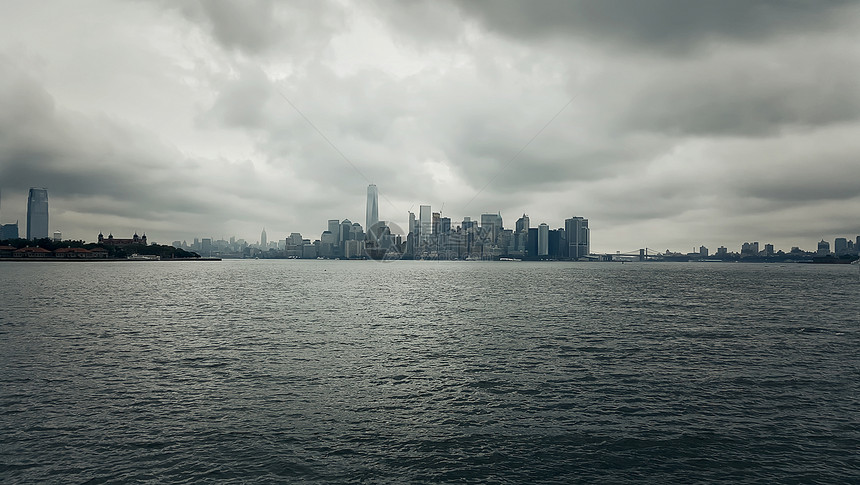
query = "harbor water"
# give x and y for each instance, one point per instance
(428, 372)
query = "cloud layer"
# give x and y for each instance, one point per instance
(668, 124)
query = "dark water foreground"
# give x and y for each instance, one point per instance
(274, 371)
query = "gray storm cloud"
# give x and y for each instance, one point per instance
(688, 123)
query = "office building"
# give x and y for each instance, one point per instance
(372, 209)
(543, 240)
(9, 231)
(532, 243)
(424, 223)
(264, 241)
(578, 240)
(840, 246)
(491, 226)
(37, 213)
(413, 227)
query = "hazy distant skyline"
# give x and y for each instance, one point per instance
(690, 122)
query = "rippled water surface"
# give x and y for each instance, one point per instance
(335, 371)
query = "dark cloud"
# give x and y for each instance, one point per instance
(673, 26)
(688, 122)
(256, 27)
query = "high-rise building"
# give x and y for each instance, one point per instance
(578, 240)
(523, 224)
(424, 223)
(543, 240)
(372, 208)
(445, 225)
(413, 228)
(264, 242)
(823, 248)
(840, 246)
(491, 226)
(334, 227)
(532, 243)
(9, 231)
(37, 213)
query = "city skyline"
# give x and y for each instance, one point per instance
(576, 232)
(671, 125)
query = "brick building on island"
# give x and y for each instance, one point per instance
(112, 241)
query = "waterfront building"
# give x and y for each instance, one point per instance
(578, 237)
(555, 237)
(29, 252)
(823, 248)
(703, 252)
(543, 240)
(37, 213)
(840, 246)
(372, 209)
(9, 231)
(309, 251)
(354, 249)
(113, 241)
(750, 249)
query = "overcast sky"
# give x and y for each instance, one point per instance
(667, 123)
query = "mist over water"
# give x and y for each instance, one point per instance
(350, 371)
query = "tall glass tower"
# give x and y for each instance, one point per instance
(37, 213)
(372, 208)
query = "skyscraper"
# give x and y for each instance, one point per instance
(37, 213)
(9, 231)
(413, 227)
(424, 223)
(372, 208)
(491, 226)
(543, 240)
(576, 231)
(264, 243)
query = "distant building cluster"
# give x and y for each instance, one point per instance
(432, 236)
(428, 236)
(843, 248)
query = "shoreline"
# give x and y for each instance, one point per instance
(101, 260)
